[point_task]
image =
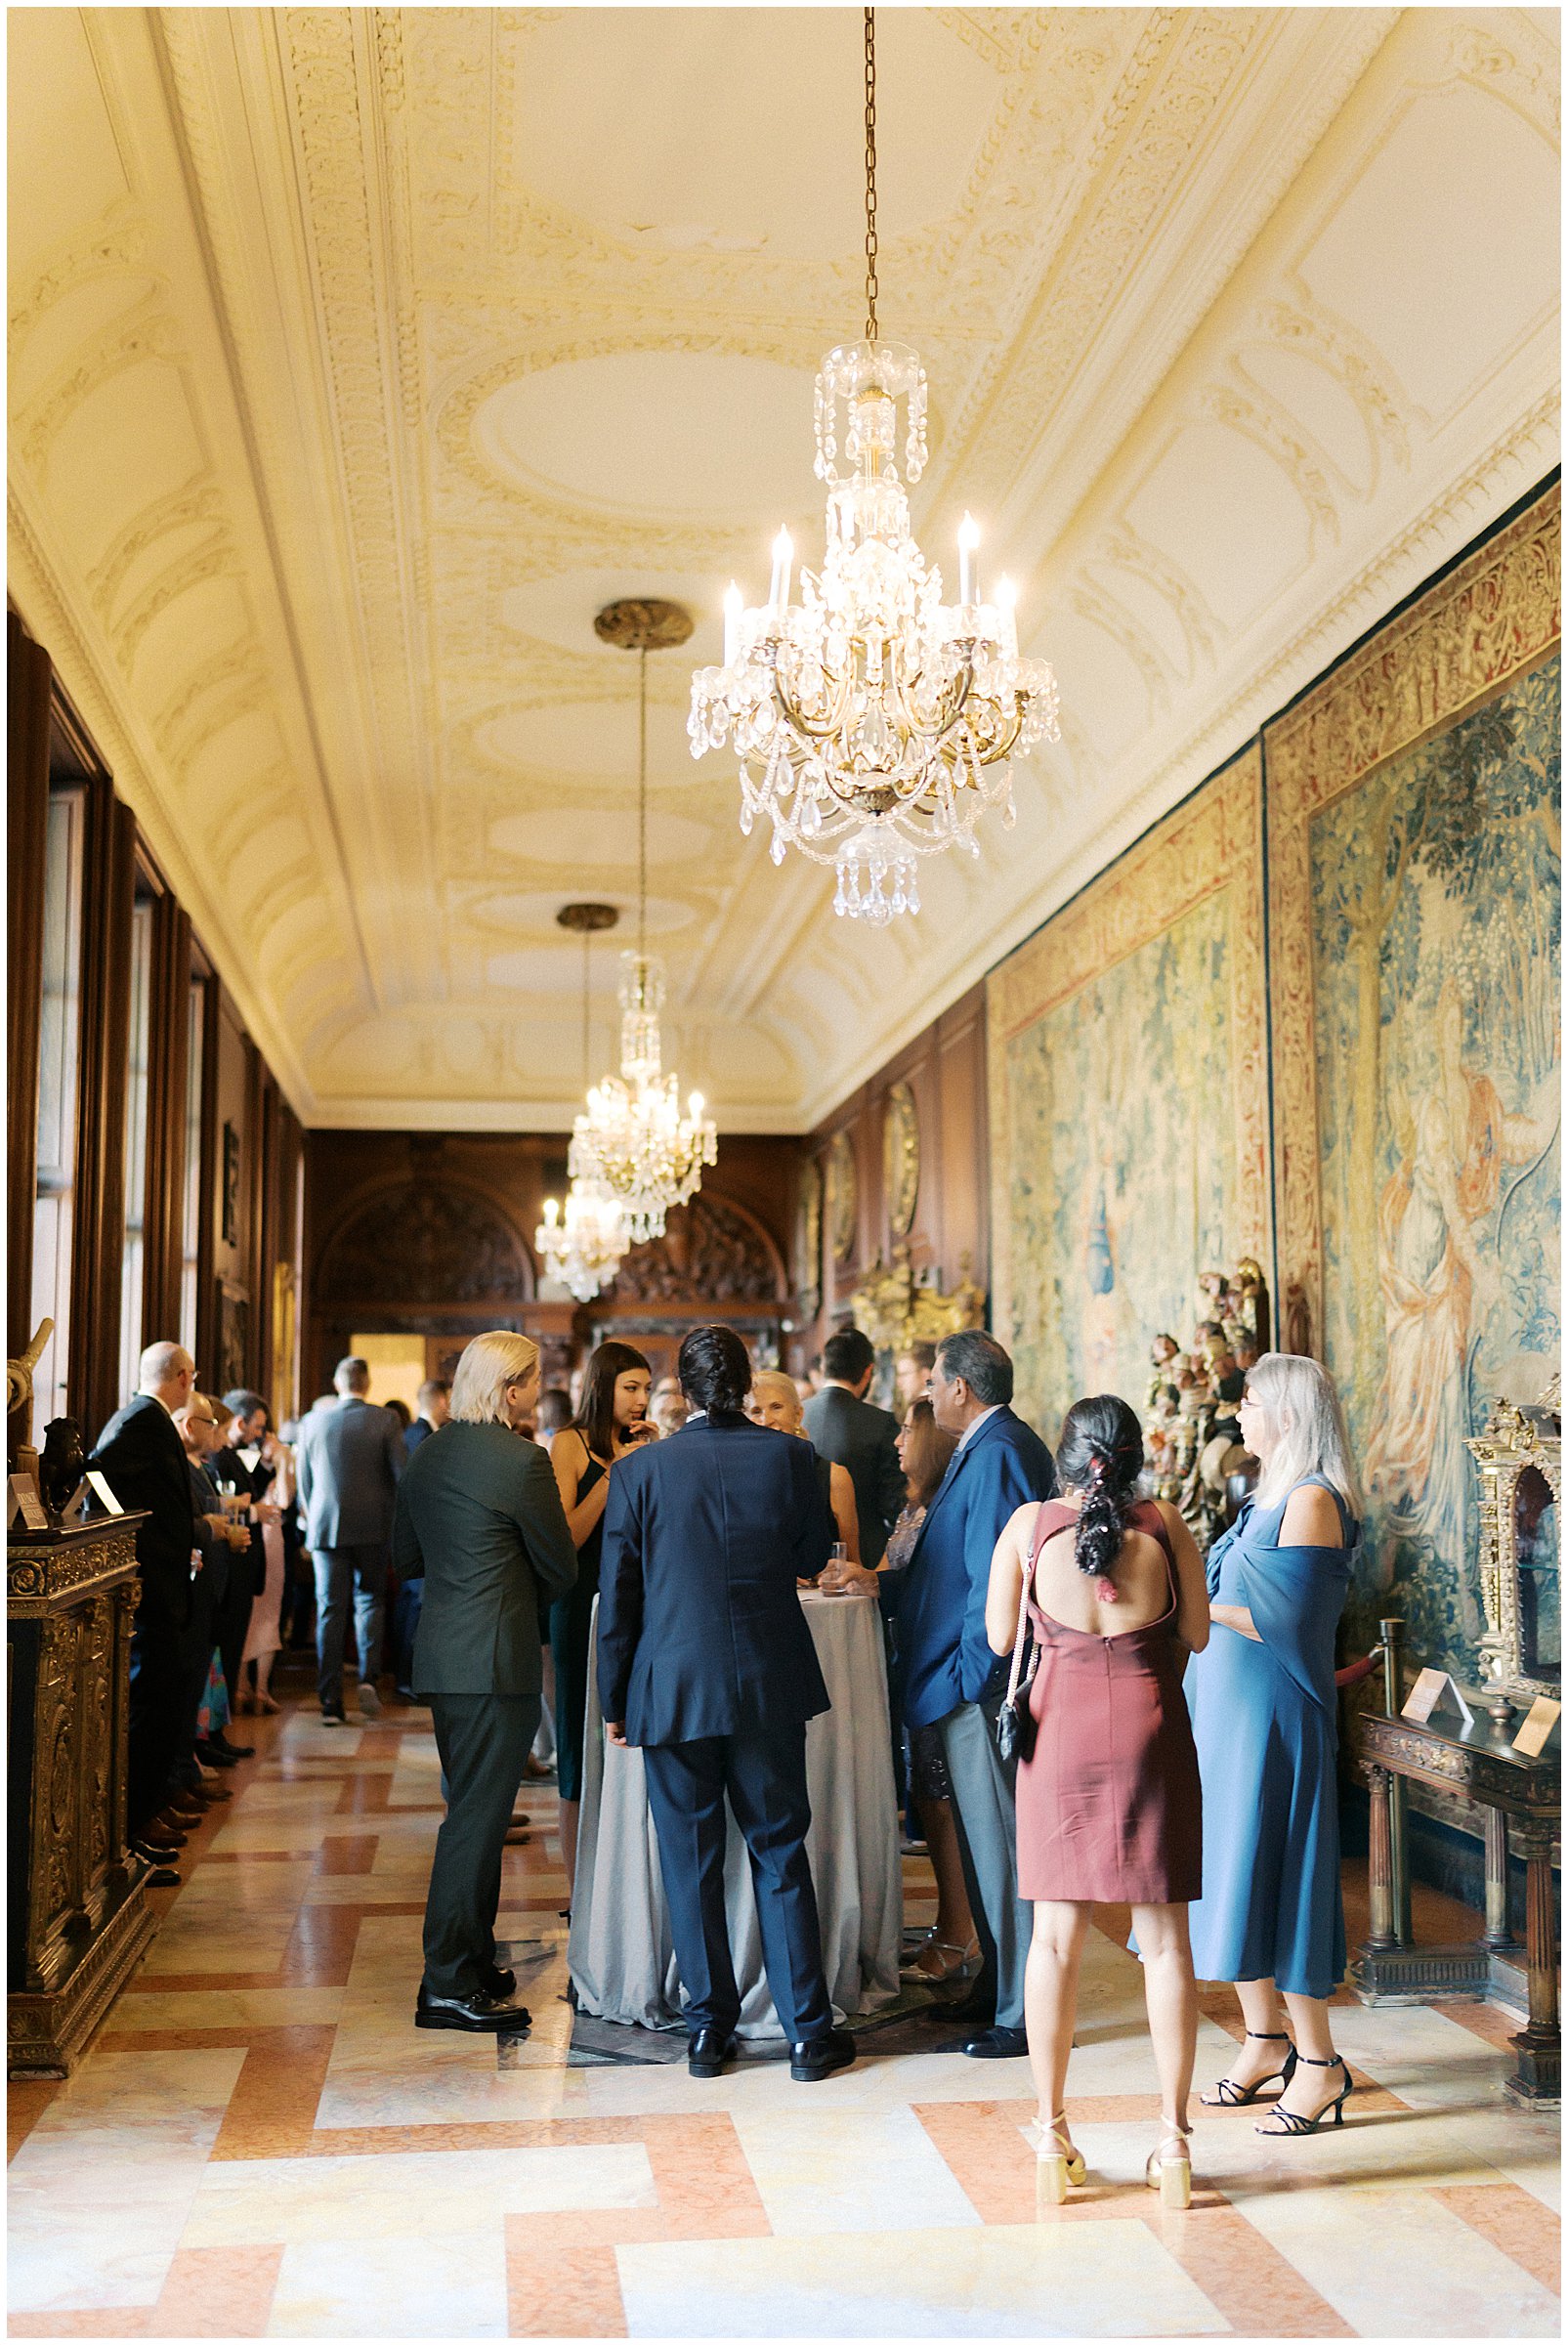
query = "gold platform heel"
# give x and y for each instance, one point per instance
(1169, 2169)
(1056, 2163)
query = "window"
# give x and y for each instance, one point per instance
(59, 1055)
(133, 1256)
(190, 1264)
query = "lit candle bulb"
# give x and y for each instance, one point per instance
(732, 624)
(552, 1212)
(1007, 608)
(968, 568)
(783, 554)
(695, 1106)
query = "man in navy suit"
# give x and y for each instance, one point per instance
(953, 1680)
(706, 1663)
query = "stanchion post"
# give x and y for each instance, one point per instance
(1393, 1636)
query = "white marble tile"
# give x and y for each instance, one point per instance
(101, 2188)
(424, 2194)
(1107, 2278)
(835, 2170)
(1398, 2263)
(417, 2286)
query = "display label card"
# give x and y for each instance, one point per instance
(1536, 1732)
(102, 1492)
(25, 1501)
(1431, 1688)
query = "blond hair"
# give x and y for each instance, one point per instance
(1299, 1399)
(773, 1379)
(488, 1366)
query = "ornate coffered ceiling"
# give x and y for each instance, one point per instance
(358, 356)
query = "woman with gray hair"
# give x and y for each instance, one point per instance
(1270, 1918)
(480, 1515)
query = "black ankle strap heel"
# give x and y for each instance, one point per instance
(1282, 2123)
(1228, 2094)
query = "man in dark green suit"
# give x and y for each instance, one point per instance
(480, 1515)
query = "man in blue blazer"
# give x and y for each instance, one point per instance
(706, 1663)
(952, 1678)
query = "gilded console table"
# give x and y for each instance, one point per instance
(1478, 1762)
(79, 1919)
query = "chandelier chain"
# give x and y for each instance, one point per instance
(642, 800)
(587, 1042)
(871, 175)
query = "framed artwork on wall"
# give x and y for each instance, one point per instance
(901, 1158)
(843, 1196)
(231, 1185)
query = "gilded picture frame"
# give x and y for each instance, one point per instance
(843, 1196)
(901, 1158)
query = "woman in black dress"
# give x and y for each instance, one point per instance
(609, 1424)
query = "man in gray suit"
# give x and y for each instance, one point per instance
(349, 1460)
(843, 1425)
(478, 1516)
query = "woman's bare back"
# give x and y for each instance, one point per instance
(1140, 1574)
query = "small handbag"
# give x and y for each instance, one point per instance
(1015, 1725)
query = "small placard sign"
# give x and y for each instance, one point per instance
(25, 1501)
(101, 1493)
(1432, 1686)
(1536, 1732)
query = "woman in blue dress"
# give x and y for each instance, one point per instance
(1264, 1717)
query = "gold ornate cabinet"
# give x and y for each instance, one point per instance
(79, 1919)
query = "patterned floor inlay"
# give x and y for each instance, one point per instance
(260, 2144)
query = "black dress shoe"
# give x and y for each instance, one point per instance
(976, 2010)
(709, 2051)
(478, 2014)
(210, 1755)
(162, 1876)
(821, 2057)
(992, 2043)
(235, 1750)
(500, 1985)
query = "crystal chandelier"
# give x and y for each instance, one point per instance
(582, 1247)
(634, 1138)
(874, 722)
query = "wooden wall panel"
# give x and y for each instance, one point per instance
(441, 1227)
(27, 678)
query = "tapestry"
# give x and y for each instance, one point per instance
(1129, 1103)
(1415, 884)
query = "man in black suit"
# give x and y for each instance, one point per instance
(706, 1663)
(142, 1458)
(842, 1424)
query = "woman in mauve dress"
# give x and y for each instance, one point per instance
(1109, 1805)
(1267, 1719)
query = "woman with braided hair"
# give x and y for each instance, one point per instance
(1109, 1805)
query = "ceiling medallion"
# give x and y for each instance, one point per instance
(633, 1138)
(583, 1246)
(872, 722)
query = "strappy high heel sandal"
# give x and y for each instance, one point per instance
(954, 1962)
(1228, 2094)
(1169, 2167)
(1056, 2163)
(1290, 2124)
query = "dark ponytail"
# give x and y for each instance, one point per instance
(1101, 1454)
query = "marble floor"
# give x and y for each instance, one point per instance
(260, 2144)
